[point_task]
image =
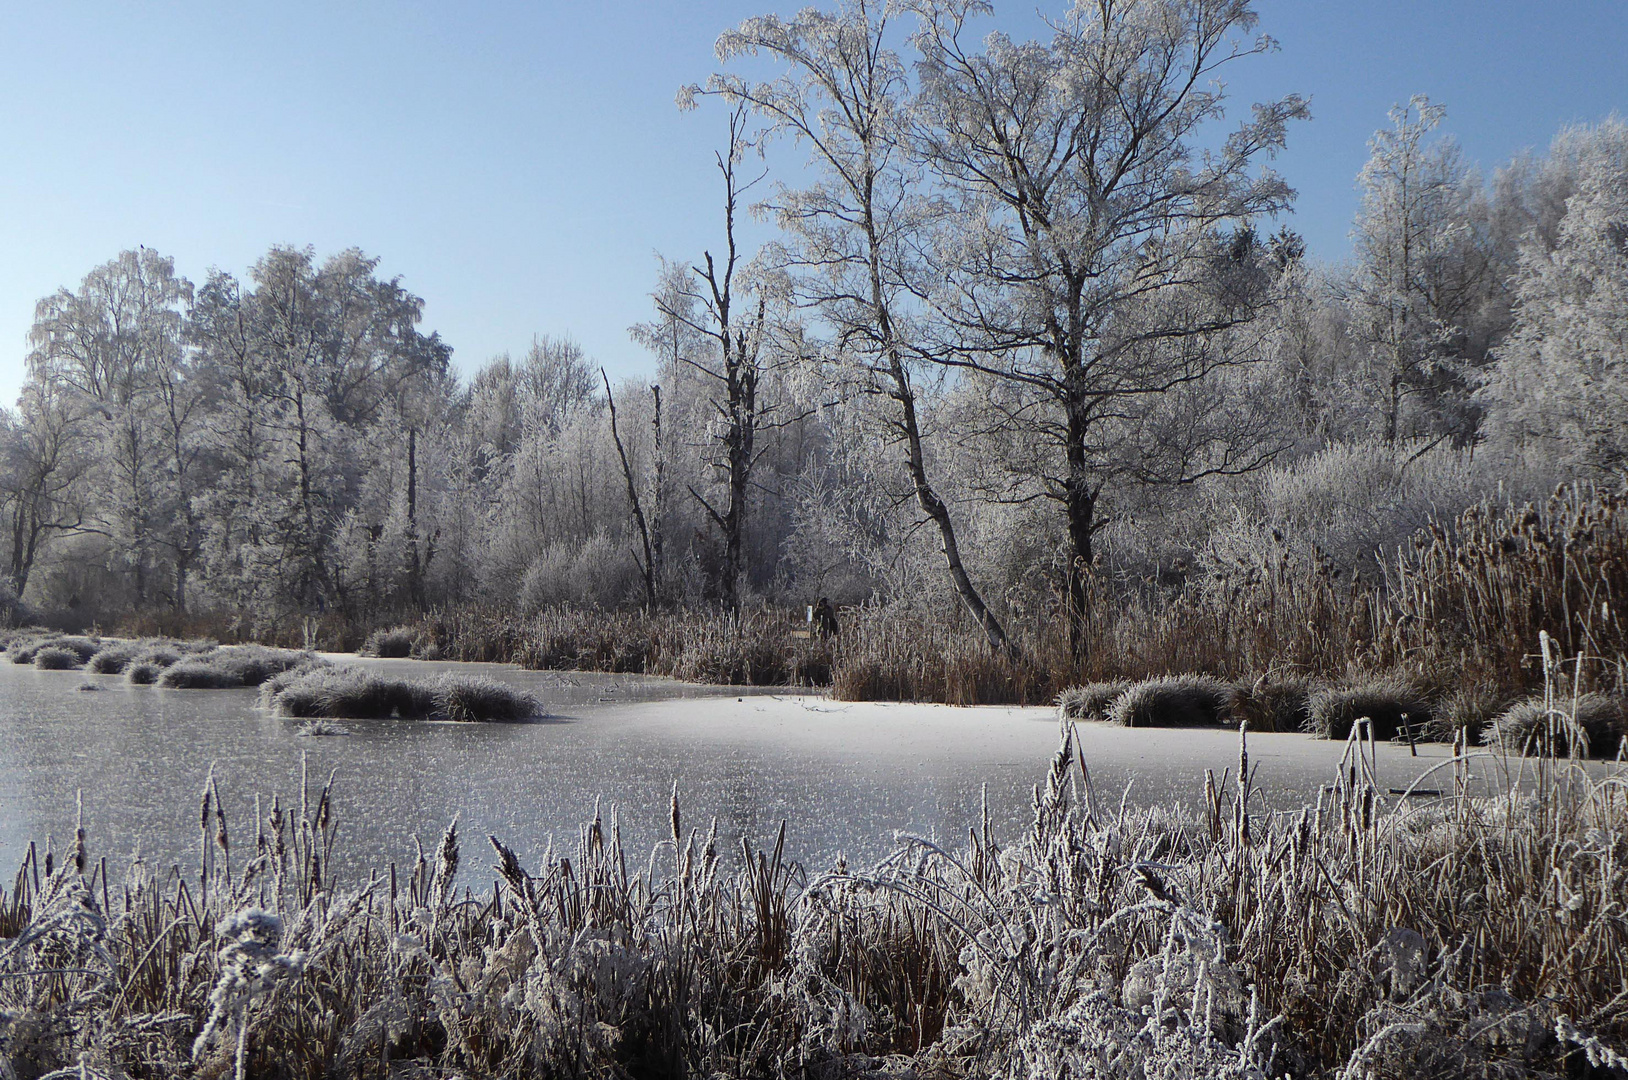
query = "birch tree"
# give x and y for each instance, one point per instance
(1094, 256)
(844, 97)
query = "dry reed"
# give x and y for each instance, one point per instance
(1476, 935)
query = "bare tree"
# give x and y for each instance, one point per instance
(707, 302)
(647, 568)
(1086, 259)
(845, 97)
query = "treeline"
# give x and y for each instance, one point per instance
(1020, 353)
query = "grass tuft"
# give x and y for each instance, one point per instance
(1172, 701)
(1091, 701)
(232, 667)
(1387, 702)
(478, 699)
(1272, 704)
(391, 644)
(111, 660)
(354, 693)
(143, 672)
(56, 658)
(1595, 728)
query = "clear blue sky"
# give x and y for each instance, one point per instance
(517, 164)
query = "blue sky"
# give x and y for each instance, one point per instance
(519, 164)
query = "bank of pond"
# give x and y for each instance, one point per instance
(303, 685)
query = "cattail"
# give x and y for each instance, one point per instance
(446, 863)
(220, 817)
(79, 833)
(508, 866)
(1243, 782)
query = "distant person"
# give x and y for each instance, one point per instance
(825, 619)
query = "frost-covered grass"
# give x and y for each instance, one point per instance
(355, 693)
(1272, 703)
(1391, 704)
(1594, 725)
(1172, 701)
(1091, 701)
(144, 672)
(1476, 935)
(112, 660)
(395, 643)
(55, 658)
(25, 646)
(231, 667)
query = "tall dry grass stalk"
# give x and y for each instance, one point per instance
(1461, 607)
(1480, 934)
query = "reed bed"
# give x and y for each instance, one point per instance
(756, 648)
(1459, 607)
(1476, 935)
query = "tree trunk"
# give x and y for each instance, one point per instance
(648, 568)
(1079, 506)
(935, 509)
(415, 566)
(915, 462)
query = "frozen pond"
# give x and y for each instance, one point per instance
(845, 776)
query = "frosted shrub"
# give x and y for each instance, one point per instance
(1347, 505)
(595, 573)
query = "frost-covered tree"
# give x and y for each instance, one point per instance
(1560, 380)
(1094, 256)
(1422, 274)
(116, 345)
(308, 361)
(850, 235)
(46, 449)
